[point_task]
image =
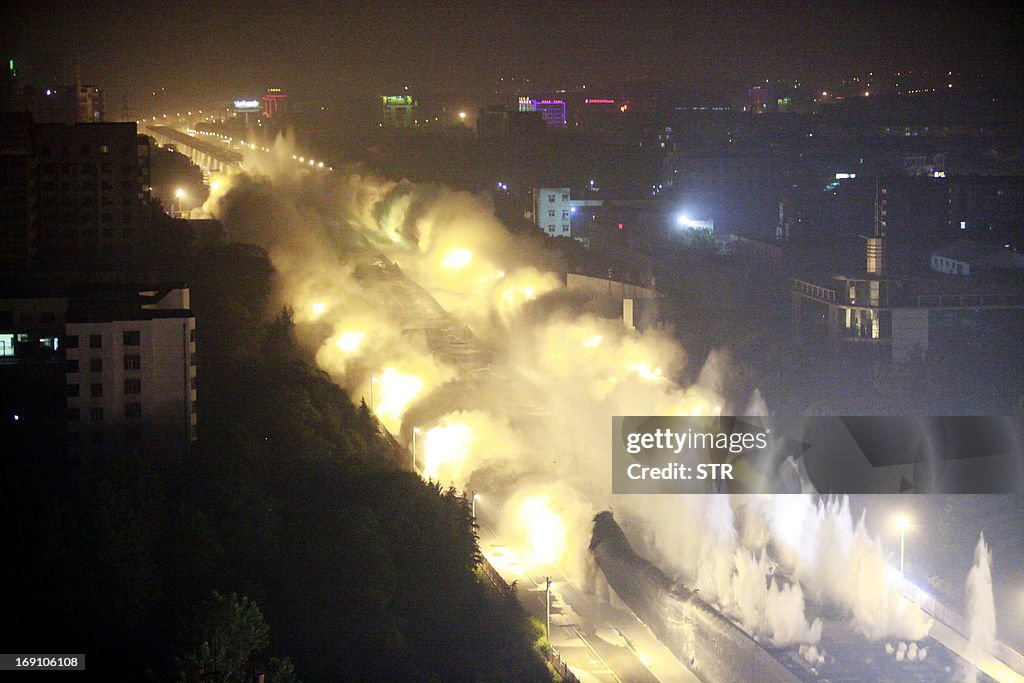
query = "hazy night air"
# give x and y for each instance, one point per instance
(323, 327)
(345, 50)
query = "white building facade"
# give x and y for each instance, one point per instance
(553, 211)
(131, 376)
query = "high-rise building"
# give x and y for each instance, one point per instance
(109, 368)
(275, 103)
(89, 104)
(18, 173)
(552, 111)
(71, 192)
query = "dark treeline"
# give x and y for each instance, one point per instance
(288, 543)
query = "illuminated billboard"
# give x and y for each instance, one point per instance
(552, 112)
(398, 111)
(247, 105)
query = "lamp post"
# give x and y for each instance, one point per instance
(179, 194)
(415, 431)
(547, 601)
(903, 523)
(475, 496)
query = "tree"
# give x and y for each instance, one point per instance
(223, 635)
(281, 671)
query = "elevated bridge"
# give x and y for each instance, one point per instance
(208, 155)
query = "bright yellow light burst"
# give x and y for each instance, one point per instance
(646, 372)
(593, 342)
(445, 448)
(543, 528)
(319, 308)
(457, 258)
(513, 297)
(397, 390)
(349, 342)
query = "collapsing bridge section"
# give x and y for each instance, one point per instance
(718, 651)
(709, 644)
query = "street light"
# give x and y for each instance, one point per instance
(415, 431)
(462, 116)
(547, 600)
(475, 497)
(179, 194)
(902, 523)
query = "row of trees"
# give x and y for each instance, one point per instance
(289, 541)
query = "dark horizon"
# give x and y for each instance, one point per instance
(337, 52)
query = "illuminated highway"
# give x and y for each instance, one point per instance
(598, 641)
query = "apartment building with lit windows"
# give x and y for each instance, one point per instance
(123, 362)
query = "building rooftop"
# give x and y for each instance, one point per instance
(107, 303)
(978, 252)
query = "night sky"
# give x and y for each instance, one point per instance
(332, 50)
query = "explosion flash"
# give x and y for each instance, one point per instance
(349, 342)
(397, 390)
(543, 529)
(457, 259)
(445, 447)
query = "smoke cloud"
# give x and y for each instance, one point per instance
(509, 386)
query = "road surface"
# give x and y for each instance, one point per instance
(598, 641)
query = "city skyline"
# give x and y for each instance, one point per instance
(352, 51)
